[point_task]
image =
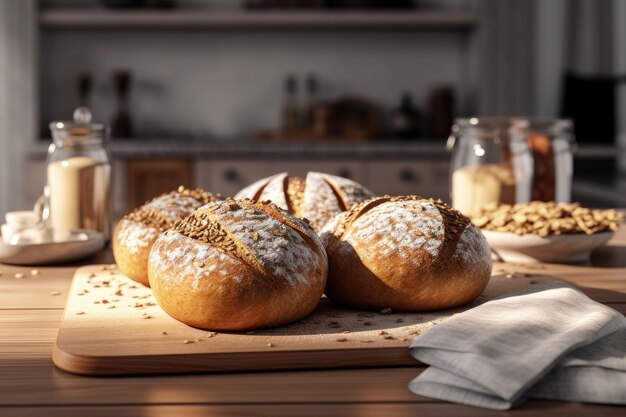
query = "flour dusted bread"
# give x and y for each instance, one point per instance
(405, 253)
(137, 231)
(319, 197)
(237, 265)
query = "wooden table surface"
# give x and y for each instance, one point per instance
(30, 385)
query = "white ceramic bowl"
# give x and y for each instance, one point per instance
(530, 248)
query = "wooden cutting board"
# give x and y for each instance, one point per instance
(113, 326)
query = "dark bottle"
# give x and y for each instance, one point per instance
(406, 120)
(121, 124)
(312, 90)
(83, 84)
(291, 111)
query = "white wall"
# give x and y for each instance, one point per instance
(18, 101)
(230, 83)
(548, 56)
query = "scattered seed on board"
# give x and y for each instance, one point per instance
(34, 272)
(386, 311)
(342, 339)
(334, 324)
(55, 292)
(164, 333)
(366, 341)
(80, 313)
(19, 275)
(399, 320)
(186, 342)
(367, 323)
(270, 345)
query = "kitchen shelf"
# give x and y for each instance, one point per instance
(602, 151)
(85, 18)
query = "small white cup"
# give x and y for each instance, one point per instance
(21, 219)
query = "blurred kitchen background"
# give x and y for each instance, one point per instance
(220, 93)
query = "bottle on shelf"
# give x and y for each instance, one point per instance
(406, 120)
(291, 110)
(121, 126)
(83, 85)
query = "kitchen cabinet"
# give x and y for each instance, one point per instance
(147, 178)
(230, 176)
(424, 178)
(142, 171)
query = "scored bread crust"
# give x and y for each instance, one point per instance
(405, 253)
(319, 197)
(238, 265)
(135, 234)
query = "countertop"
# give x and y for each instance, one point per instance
(207, 149)
(30, 385)
(410, 149)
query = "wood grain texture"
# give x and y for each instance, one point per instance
(113, 326)
(55, 387)
(433, 409)
(30, 384)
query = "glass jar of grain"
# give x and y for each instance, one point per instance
(79, 176)
(491, 162)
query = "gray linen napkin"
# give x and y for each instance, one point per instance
(546, 341)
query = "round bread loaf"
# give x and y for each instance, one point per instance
(319, 197)
(135, 234)
(238, 265)
(405, 253)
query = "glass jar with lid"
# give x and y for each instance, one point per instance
(78, 194)
(491, 162)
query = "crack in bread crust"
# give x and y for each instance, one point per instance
(203, 225)
(258, 234)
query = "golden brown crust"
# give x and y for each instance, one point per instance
(405, 253)
(131, 252)
(238, 265)
(135, 234)
(318, 197)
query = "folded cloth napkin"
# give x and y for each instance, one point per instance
(547, 341)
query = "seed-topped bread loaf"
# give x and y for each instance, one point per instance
(236, 265)
(137, 231)
(405, 253)
(319, 197)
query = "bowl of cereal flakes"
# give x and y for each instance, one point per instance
(545, 231)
